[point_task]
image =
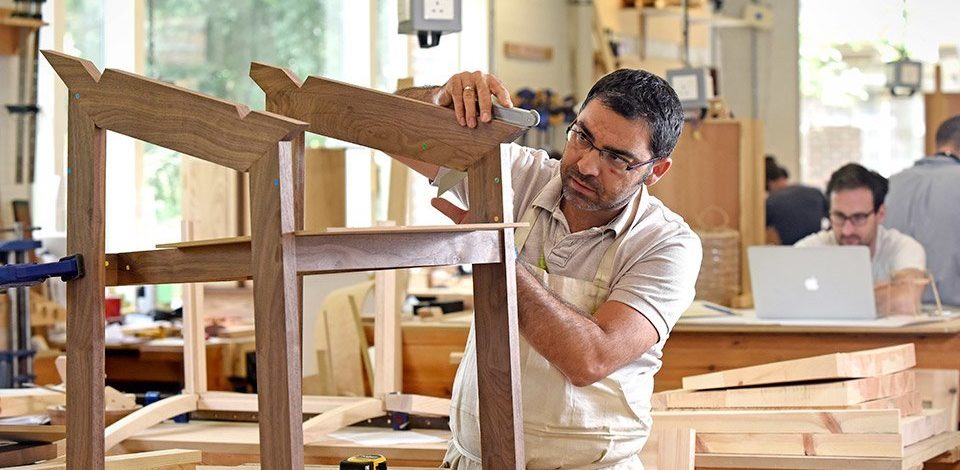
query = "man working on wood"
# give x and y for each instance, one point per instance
(607, 271)
(856, 211)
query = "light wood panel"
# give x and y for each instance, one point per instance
(194, 347)
(858, 364)
(835, 445)
(417, 404)
(732, 151)
(221, 132)
(938, 388)
(930, 423)
(393, 124)
(388, 364)
(937, 108)
(782, 421)
(23, 401)
(841, 393)
(325, 192)
(32, 433)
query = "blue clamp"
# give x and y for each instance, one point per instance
(28, 274)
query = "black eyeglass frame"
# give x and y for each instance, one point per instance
(630, 165)
(852, 218)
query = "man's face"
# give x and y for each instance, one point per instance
(852, 217)
(593, 182)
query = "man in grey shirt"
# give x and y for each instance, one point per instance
(924, 202)
(604, 272)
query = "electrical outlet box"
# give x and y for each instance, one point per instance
(428, 19)
(694, 87)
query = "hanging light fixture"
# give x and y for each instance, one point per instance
(904, 75)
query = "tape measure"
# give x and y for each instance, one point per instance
(364, 462)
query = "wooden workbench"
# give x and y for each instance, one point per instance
(697, 349)
(154, 363)
(694, 348)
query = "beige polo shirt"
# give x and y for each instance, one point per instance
(655, 269)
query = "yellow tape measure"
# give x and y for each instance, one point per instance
(364, 462)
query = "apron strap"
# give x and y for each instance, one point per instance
(605, 269)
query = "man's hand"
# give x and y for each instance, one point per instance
(468, 90)
(449, 209)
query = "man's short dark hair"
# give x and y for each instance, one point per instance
(854, 176)
(638, 94)
(949, 133)
(774, 170)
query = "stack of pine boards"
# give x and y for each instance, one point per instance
(858, 404)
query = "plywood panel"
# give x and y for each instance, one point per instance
(325, 194)
(937, 108)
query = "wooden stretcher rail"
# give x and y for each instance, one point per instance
(327, 252)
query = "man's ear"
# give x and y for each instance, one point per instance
(881, 213)
(659, 169)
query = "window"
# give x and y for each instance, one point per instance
(847, 113)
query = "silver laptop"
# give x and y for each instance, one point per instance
(816, 283)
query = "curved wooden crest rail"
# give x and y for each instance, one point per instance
(270, 148)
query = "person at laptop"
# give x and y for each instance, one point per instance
(793, 210)
(925, 204)
(857, 209)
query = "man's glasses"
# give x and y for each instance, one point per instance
(858, 219)
(581, 141)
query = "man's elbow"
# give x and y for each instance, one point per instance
(587, 373)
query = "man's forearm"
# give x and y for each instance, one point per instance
(567, 337)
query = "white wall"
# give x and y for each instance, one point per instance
(776, 97)
(536, 23)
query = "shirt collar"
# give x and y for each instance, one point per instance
(937, 160)
(549, 200)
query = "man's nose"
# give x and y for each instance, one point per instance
(847, 228)
(589, 163)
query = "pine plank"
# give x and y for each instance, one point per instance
(417, 404)
(676, 448)
(938, 388)
(830, 445)
(927, 424)
(782, 421)
(32, 433)
(390, 123)
(859, 364)
(840, 393)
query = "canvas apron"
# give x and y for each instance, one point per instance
(568, 427)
